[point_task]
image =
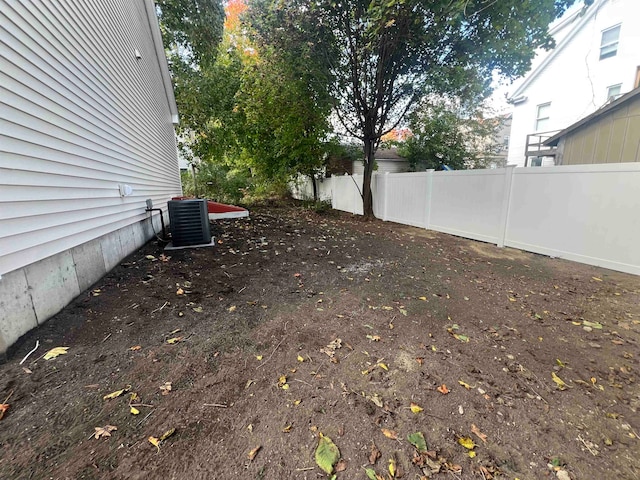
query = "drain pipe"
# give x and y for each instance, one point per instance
(151, 209)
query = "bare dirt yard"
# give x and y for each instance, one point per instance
(234, 361)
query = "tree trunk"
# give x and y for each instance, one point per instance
(367, 196)
(315, 187)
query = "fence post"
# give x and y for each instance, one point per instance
(385, 198)
(427, 216)
(506, 200)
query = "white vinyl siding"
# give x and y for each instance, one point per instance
(79, 115)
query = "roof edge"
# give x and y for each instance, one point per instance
(156, 37)
(586, 17)
(602, 111)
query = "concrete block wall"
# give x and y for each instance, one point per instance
(31, 295)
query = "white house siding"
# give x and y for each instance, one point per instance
(80, 114)
(575, 81)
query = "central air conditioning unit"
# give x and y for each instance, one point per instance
(189, 222)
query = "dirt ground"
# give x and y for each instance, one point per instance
(298, 324)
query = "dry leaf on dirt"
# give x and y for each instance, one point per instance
(415, 408)
(331, 348)
(383, 366)
(300, 358)
(420, 360)
(392, 467)
(465, 385)
(232, 308)
(559, 382)
(466, 442)
(167, 434)
(443, 389)
(180, 291)
(116, 394)
(54, 352)
(155, 442)
(374, 338)
(134, 411)
(104, 431)
(327, 454)
(374, 455)
(252, 454)
(135, 348)
(341, 466)
(165, 388)
(475, 430)
(3, 408)
(393, 435)
(173, 340)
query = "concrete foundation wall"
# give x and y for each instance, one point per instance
(31, 295)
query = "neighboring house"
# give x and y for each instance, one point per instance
(495, 148)
(596, 59)
(387, 160)
(87, 118)
(609, 135)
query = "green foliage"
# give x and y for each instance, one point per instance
(447, 133)
(382, 56)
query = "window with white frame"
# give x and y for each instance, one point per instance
(613, 92)
(609, 42)
(542, 117)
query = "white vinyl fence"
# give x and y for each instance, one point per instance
(586, 213)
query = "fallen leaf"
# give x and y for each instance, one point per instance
(197, 309)
(104, 431)
(559, 382)
(252, 454)
(155, 442)
(341, 466)
(465, 385)
(403, 311)
(3, 408)
(424, 299)
(173, 340)
(392, 467)
(232, 308)
(472, 454)
(475, 430)
(115, 394)
(462, 338)
(135, 348)
(54, 352)
(597, 325)
(180, 291)
(383, 366)
(418, 441)
(150, 257)
(393, 435)
(167, 434)
(300, 358)
(466, 442)
(134, 411)
(596, 279)
(443, 389)
(165, 388)
(374, 338)
(287, 429)
(372, 475)
(259, 357)
(415, 408)
(327, 454)
(374, 455)
(420, 360)
(27, 370)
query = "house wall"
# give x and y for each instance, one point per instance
(391, 166)
(575, 81)
(80, 114)
(612, 138)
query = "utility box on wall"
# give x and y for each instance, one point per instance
(189, 222)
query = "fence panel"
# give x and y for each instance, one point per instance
(405, 198)
(468, 203)
(586, 213)
(346, 193)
